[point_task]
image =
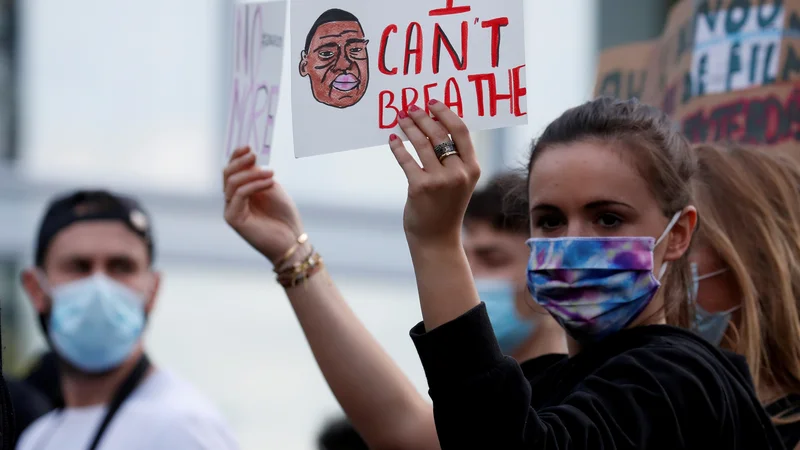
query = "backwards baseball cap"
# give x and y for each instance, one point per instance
(93, 205)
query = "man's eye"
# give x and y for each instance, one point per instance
(356, 50)
(326, 54)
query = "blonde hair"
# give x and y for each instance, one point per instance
(749, 207)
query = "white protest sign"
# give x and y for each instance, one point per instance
(259, 29)
(736, 47)
(357, 63)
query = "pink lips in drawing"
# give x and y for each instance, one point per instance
(345, 82)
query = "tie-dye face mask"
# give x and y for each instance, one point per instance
(594, 286)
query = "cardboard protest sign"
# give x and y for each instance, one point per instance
(259, 29)
(726, 70)
(622, 71)
(359, 62)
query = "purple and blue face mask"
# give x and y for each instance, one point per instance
(594, 286)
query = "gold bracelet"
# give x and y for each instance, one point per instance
(301, 271)
(302, 239)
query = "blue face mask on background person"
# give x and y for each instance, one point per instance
(95, 323)
(510, 329)
(710, 326)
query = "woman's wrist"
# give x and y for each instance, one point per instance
(439, 245)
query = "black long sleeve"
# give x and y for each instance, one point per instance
(646, 388)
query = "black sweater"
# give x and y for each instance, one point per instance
(652, 387)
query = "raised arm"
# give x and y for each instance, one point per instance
(382, 404)
(438, 194)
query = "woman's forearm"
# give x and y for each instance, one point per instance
(381, 402)
(444, 281)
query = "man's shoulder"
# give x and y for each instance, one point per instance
(37, 428)
(165, 395)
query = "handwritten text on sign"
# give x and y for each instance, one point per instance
(736, 47)
(258, 55)
(362, 62)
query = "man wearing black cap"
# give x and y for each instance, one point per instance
(94, 286)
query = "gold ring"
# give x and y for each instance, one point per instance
(446, 154)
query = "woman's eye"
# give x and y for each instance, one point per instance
(549, 223)
(609, 220)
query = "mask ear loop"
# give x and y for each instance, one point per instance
(670, 225)
(711, 275)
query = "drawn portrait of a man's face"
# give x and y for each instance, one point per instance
(335, 59)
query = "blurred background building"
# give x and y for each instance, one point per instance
(132, 96)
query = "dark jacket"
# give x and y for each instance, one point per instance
(644, 388)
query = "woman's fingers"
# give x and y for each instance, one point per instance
(407, 163)
(236, 180)
(435, 132)
(457, 129)
(418, 139)
(239, 152)
(237, 206)
(243, 161)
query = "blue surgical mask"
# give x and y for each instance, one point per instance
(711, 326)
(510, 329)
(96, 322)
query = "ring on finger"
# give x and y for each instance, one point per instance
(445, 149)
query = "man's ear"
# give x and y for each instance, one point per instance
(32, 280)
(680, 237)
(152, 294)
(303, 64)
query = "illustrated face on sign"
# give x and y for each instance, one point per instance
(335, 59)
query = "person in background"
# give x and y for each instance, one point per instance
(94, 286)
(746, 265)
(611, 222)
(45, 377)
(340, 435)
(29, 404)
(494, 235)
(380, 401)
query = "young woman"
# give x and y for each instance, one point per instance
(611, 223)
(381, 403)
(746, 261)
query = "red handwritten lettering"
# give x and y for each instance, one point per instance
(416, 51)
(756, 121)
(426, 95)
(383, 105)
(382, 51)
(440, 38)
(406, 101)
(452, 96)
(495, 25)
(449, 9)
(516, 91)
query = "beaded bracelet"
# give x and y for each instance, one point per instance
(300, 272)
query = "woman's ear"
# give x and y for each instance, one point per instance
(680, 237)
(32, 280)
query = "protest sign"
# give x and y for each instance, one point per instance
(257, 62)
(726, 70)
(622, 71)
(357, 63)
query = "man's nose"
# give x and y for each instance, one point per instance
(343, 63)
